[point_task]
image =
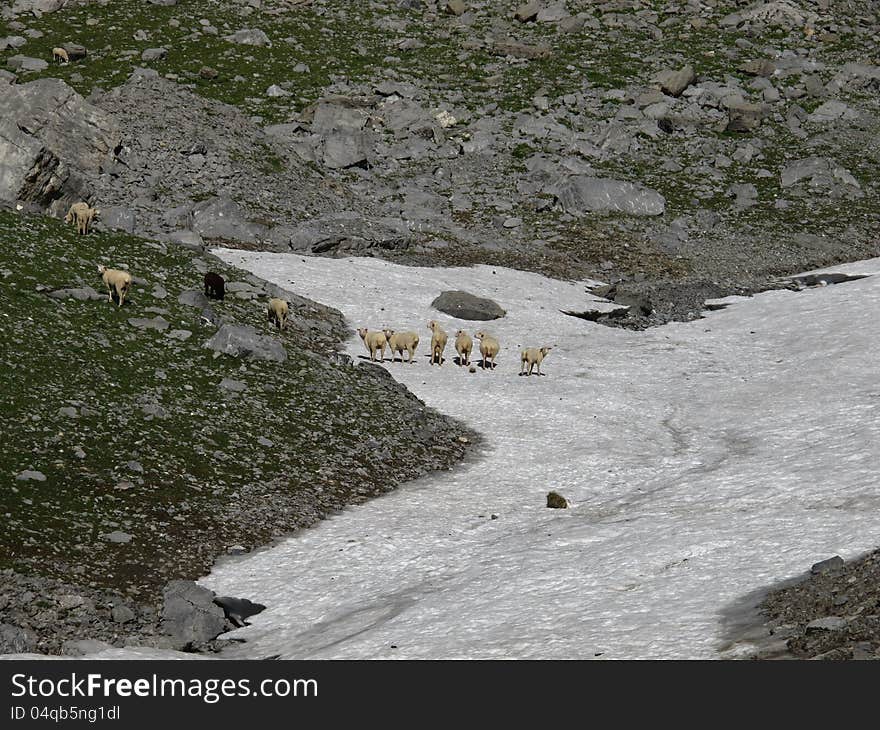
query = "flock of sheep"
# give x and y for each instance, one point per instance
(119, 282)
(399, 342)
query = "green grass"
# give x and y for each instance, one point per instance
(202, 456)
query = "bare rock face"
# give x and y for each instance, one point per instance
(245, 342)
(51, 140)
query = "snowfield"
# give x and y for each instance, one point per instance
(702, 461)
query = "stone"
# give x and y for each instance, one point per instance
(189, 613)
(154, 54)
(181, 335)
(15, 640)
(24, 64)
(81, 294)
(582, 194)
(463, 305)
(75, 51)
(759, 67)
(29, 475)
(249, 37)
(556, 501)
(119, 218)
(455, 7)
(50, 137)
(527, 12)
(743, 116)
(675, 82)
(122, 614)
(828, 623)
(222, 217)
(192, 298)
(245, 342)
(83, 647)
(117, 536)
(826, 566)
(150, 323)
(235, 386)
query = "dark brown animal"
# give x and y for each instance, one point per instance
(215, 286)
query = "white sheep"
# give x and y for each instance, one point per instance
(400, 342)
(463, 346)
(82, 215)
(489, 348)
(374, 341)
(276, 311)
(60, 55)
(438, 342)
(533, 357)
(115, 280)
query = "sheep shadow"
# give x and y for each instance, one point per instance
(486, 364)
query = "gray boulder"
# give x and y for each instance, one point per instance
(37, 7)
(81, 294)
(26, 63)
(243, 341)
(15, 640)
(82, 647)
(744, 117)
(75, 51)
(189, 613)
(119, 218)
(675, 82)
(222, 217)
(249, 37)
(154, 54)
(193, 298)
(582, 194)
(462, 305)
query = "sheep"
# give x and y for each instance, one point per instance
(463, 346)
(402, 342)
(276, 311)
(82, 215)
(215, 286)
(534, 356)
(115, 280)
(438, 342)
(61, 55)
(374, 342)
(488, 348)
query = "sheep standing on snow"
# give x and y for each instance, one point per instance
(374, 341)
(277, 312)
(533, 356)
(463, 346)
(60, 55)
(115, 280)
(400, 342)
(438, 342)
(82, 215)
(489, 348)
(215, 286)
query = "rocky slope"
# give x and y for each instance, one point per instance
(679, 150)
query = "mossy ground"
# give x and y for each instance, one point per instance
(205, 480)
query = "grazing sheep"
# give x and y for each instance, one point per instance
(534, 356)
(277, 312)
(438, 342)
(215, 286)
(82, 215)
(401, 342)
(375, 342)
(61, 55)
(488, 348)
(463, 346)
(115, 280)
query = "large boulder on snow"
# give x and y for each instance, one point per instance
(51, 141)
(462, 305)
(189, 613)
(582, 194)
